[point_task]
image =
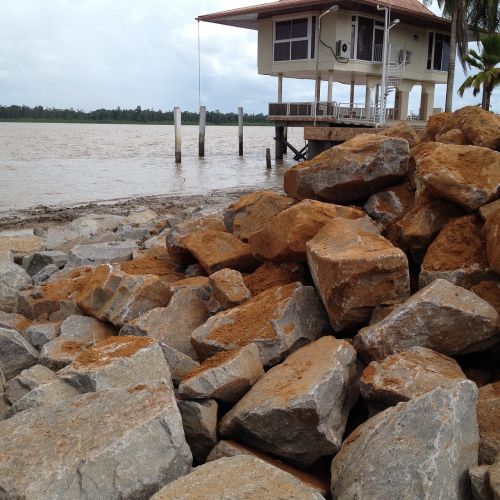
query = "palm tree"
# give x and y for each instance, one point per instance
(484, 16)
(457, 11)
(488, 75)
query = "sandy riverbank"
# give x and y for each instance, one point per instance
(161, 204)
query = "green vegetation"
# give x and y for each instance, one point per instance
(118, 115)
(488, 75)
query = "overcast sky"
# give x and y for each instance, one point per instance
(90, 54)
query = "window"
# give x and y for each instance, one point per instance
(438, 52)
(294, 39)
(367, 39)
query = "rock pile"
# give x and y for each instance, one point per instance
(342, 340)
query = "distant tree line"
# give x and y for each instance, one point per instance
(137, 115)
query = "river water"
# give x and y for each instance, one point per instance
(63, 164)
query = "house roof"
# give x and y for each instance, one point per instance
(410, 11)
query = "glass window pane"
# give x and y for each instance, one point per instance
(446, 53)
(353, 40)
(283, 30)
(379, 45)
(299, 28)
(438, 51)
(282, 51)
(365, 39)
(429, 50)
(299, 50)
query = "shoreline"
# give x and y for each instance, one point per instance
(41, 215)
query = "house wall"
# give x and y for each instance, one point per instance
(337, 26)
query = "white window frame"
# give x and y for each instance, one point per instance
(434, 33)
(354, 49)
(308, 38)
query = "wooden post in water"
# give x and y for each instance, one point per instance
(279, 130)
(240, 130)
(268, 157)
(178, 138)
(201, 136)
(285, 136)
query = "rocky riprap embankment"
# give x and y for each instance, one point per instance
(340, 340)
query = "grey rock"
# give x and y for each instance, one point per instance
(43, 395)
(129, 232)
(93, 224)
(422, 448)
(15, 353)
(480, 482)
(237, 478)
(13, 279)
(58, 353)
(26, 381)
(155, 242)
(279, 320)
(443, 317)
(117, 444)
(85, 329)
(35, 262)
(488, 417)
(117, 362)
(199, 419)
(227, 376)
(45, 274)
(299, 409)
(179, 363)
(41, 333)
(101, 253)
(494, 474)
(6, 256)
(174, 324)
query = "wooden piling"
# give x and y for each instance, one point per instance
(285, 136)
(240, 130)
(268, 157)
(178, 138)
(201, 136)
(279, 142)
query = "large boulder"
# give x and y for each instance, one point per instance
(215, 250)
(117, 297)
(391, 204)
(60, 352)
(443, 317)
(299, 409)
(270, 275)
(285, 236)
(458, 254)
(101, 253)
(351, 171)
(354, 270)
(35, 262)
(85, 329)
(15, 353)
(117, 362)
(227, 376)
(466, 175)
(494, 478)
(173, 325)
(278, 320)
(26, 381)
(419, 449)
(38, 334)
(237, 478)
(488, 417)
(229, 289)
(199, 420)
(407, 375)
(492, 237)
(253, 211)
(13, 279)
(21, 246)
(122, 443)
(153, 262)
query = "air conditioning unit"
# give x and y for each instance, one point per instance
(405, 56)
(343, 48)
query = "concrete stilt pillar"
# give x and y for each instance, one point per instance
(427, 101)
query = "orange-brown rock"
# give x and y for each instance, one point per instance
(420, 226)
(270, 275)
(215, 250)
(407, 375)
(488, 417)
(278, 320)
(253, 211)
(175, 236)
(466, 175)
(355, 269)
(454, 136)
(402, 131)
(480, 127)
(45, 301)
(284, 238)
(351, 171)
(435, 124)
(391, 204)
(155, 263)
(491, 233)
(489, 291)
(229, 289)
(117, 297)
(458, 254)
